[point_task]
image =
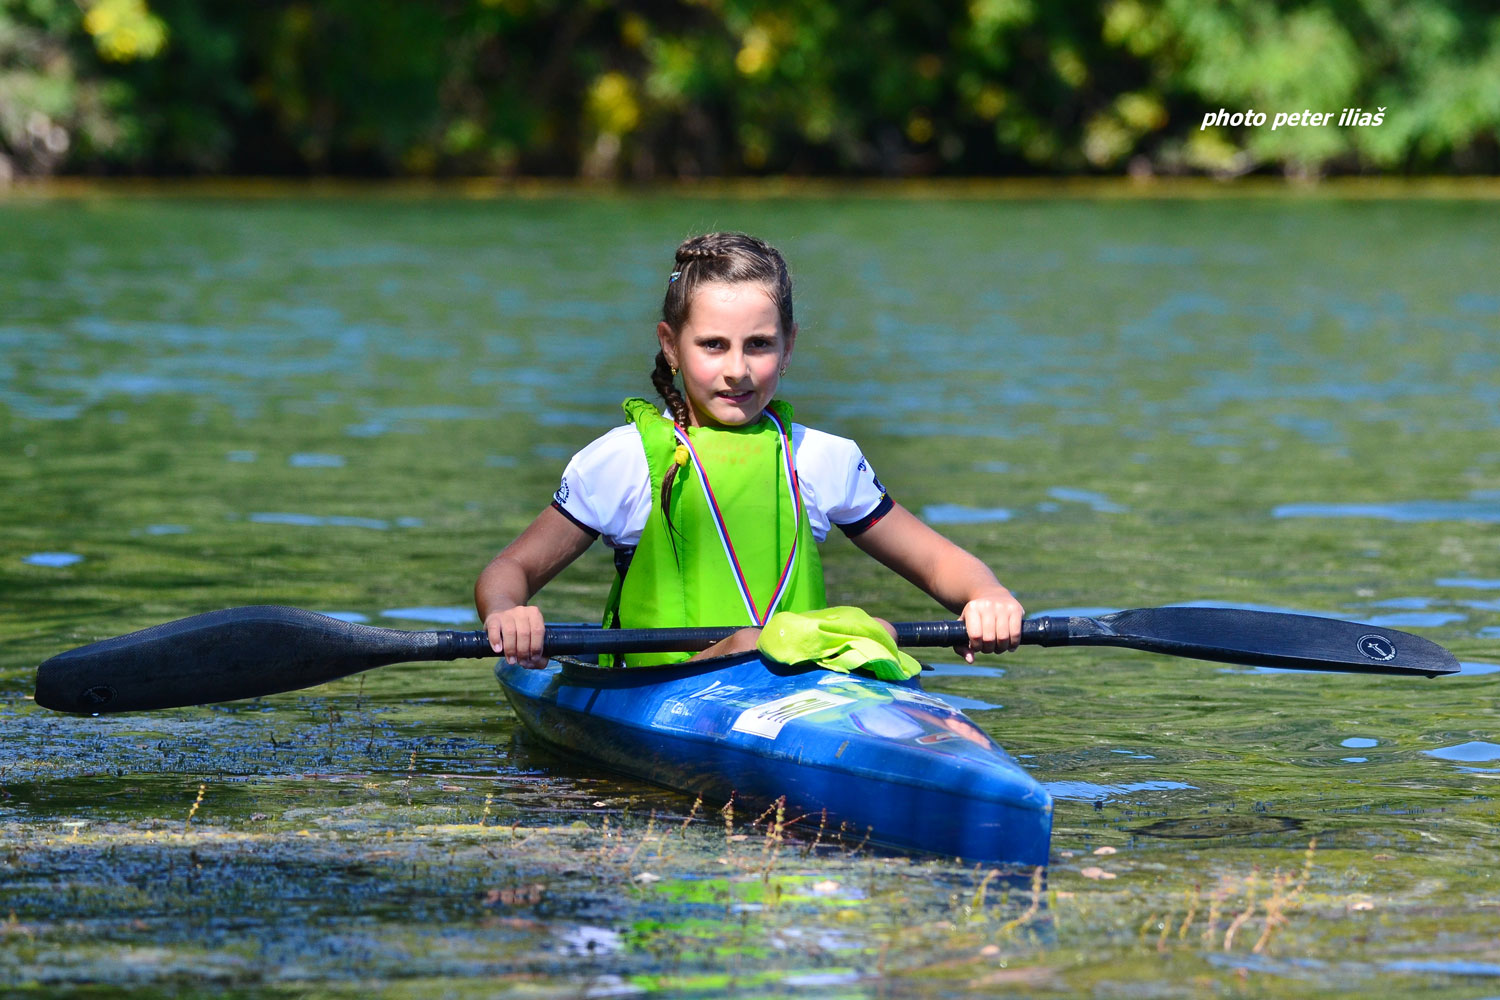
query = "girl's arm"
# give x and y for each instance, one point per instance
(953, 577)
(522, 568)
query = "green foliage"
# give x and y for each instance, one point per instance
(729, 87)
(56, 99)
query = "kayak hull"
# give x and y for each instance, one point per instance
(871, 759)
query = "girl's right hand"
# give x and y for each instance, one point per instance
(516, 633)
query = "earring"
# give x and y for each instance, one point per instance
(783, 369)
(674, 371)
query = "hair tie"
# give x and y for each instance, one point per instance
(674, 277)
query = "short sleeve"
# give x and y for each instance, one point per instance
(839, 485)
(606, 488)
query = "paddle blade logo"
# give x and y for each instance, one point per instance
(99, 694)
(1377, 647)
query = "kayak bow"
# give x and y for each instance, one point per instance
(881, 760)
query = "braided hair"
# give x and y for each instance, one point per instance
(725, 258)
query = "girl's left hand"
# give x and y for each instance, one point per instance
(740, 642)
(993, 617)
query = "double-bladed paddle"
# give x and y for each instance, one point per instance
(254, 651)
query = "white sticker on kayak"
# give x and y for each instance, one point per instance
(766, 720)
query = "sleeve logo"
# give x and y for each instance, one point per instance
(561, 496)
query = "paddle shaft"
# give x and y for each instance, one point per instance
(566, 640)
(255, 651)
(588, 640)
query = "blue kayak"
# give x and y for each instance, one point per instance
(884, 760)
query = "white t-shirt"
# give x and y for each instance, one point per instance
(606, 487)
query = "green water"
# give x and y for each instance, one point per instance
(348, 404)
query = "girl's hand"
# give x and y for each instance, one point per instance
(993, 617)
(739, 642)
(516, 633)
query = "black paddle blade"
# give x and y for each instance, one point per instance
(225, 655)
(1255, 638)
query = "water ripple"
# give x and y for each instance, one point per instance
(1098, 501)
(1464, 581)
(54, 559)
(952, 513)
(1414, 619)
(1482, 510)
(1088, 791)
(331, 521)
(1471, 752)
(435, 615)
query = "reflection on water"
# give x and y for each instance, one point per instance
(1088, 791)
(950, 513)
(332, 520)
(1098, 501)
(52, 559)
(1413, 619)
(1485, 510)
(1453, 967)
(1076, 612)
(312, 460)
(942, 669)
(352, 403)
(1472, 751)
(438, 616)
(1477, 669)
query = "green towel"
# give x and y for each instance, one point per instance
(839, 639)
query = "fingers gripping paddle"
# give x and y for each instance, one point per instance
(255, 651)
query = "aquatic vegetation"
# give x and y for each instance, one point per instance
(383, 889)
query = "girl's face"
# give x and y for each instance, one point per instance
(730, 351)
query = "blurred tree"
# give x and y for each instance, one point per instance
(683, 88)
(1432, 67)
(58, 96)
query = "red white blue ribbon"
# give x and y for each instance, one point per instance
(789, 466)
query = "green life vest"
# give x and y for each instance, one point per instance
(681, 573)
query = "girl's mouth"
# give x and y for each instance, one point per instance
(737, 397)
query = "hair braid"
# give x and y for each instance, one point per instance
(666, 388)
(661, 378)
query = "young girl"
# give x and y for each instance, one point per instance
(715, 508)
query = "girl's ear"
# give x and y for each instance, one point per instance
(791, 341)
(668, 341)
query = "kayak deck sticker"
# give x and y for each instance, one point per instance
(766, 720)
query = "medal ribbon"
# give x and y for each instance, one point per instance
(790, 468)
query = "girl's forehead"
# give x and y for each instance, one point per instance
(725, 300)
